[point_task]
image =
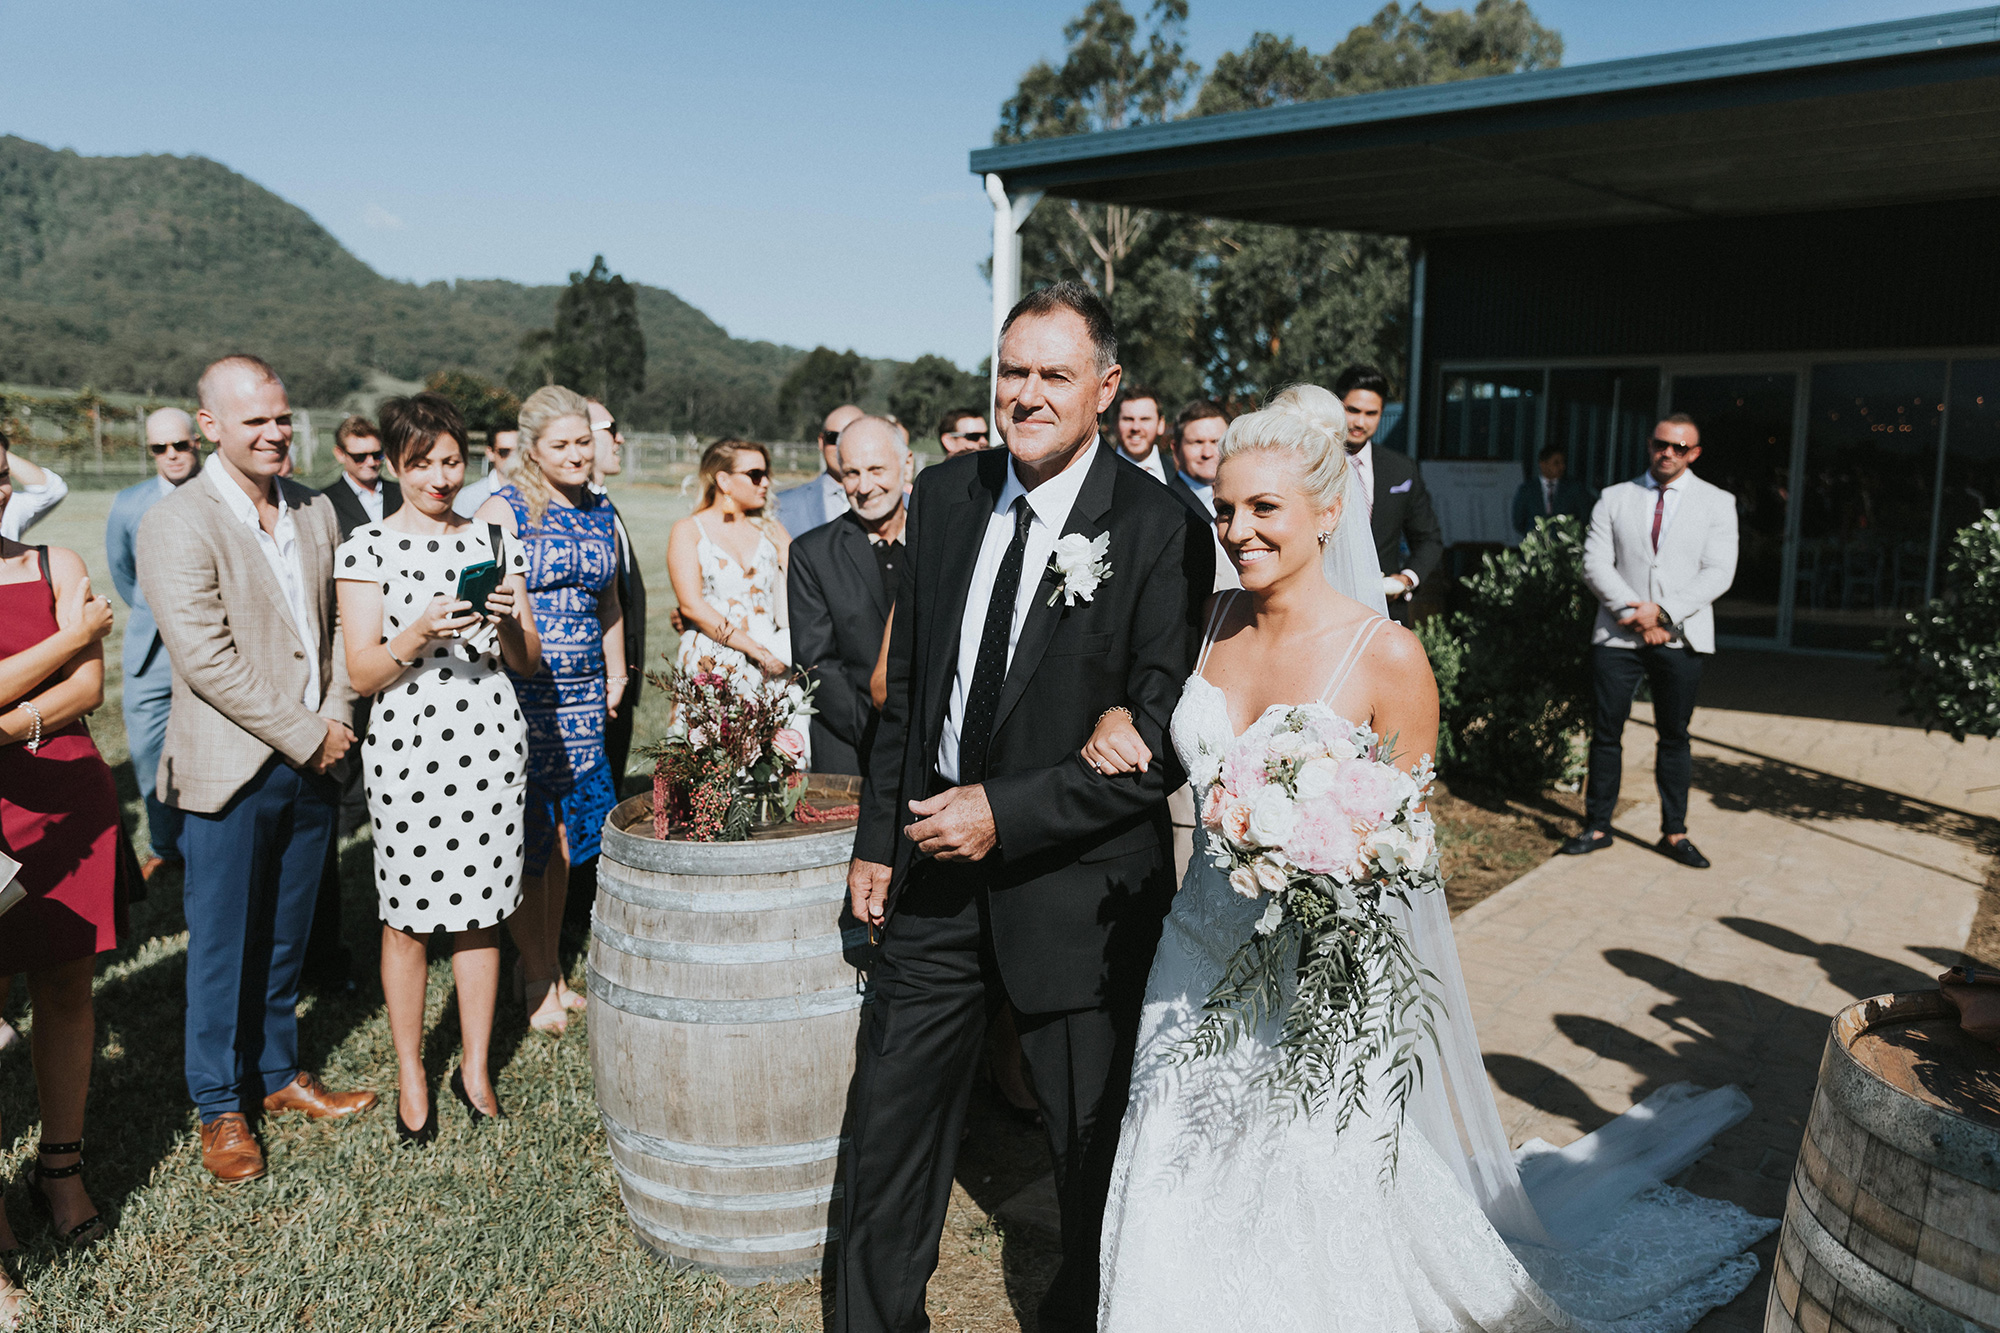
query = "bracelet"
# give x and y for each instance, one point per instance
(1117, 708)
(34, 741)
(389, 649)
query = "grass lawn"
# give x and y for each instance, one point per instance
(510, 1226)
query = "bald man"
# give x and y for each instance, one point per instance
(823, 499)
(149, 676)
(840, 586)
(238, 567)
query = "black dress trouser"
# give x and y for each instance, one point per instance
(1673, 674)
(934, 988)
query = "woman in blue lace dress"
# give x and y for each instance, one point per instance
(566, 530)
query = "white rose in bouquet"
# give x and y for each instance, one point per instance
(1273, 875)
(1394, 849)
(1272, 817)
(1316, 778)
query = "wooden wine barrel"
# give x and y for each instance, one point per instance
(722, 1029)
(1894, 1216)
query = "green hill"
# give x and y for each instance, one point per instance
(132, 273)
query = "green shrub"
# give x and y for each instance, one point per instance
(1947, 659)
(1513, 667)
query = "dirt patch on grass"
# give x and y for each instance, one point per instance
(1490, 839)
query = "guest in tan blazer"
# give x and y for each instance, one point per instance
(238, 567)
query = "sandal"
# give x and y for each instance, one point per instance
(84, 1232)
(573, 1001)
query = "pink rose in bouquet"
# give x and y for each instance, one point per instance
(1323, 842)
(1367, 791)
(791, 744)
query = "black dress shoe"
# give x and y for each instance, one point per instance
(1584, 843)
(1685, 852)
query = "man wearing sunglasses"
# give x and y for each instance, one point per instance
(962, 431)
(823, 499)
(149, 676)
(1661, 549)
(358, 495)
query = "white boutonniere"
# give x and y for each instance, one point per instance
(1079, 565)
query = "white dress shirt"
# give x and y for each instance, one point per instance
(29, 504)
(1049, 504)
(1363, 462)
(466, 503)
(1675, 490)
(1150, 463)
(371, 501)
(281, 553)
(1549, 485)
(166, 487)
(1204, 491)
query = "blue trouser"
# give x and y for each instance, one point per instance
(253, 872)
(148, 698)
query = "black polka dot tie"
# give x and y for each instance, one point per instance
(989, 673)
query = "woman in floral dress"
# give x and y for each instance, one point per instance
(566, 531)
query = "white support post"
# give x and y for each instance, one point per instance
(1008, 215)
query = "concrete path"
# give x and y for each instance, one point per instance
(1850, 859)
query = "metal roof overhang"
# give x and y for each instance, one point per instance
(1888, 113)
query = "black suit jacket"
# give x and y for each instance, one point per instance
(1402, 514)
(1572, 498)
(838, 605)
(347, 505)
(1084, 867)
(632, 600)
(1185, 494)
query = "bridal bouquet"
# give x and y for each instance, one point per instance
(1306, 813)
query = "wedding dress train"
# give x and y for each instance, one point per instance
(1228, 1210)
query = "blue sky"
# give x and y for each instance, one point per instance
(796, 170)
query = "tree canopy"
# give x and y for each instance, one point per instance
(821, 382)
(1228, 309)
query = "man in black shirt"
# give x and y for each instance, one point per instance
(841, 584)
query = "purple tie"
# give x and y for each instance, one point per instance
(1659, 512)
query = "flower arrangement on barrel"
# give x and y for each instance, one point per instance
(734, 760)
(1309, 814)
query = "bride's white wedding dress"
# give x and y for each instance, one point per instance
(1230, 1210)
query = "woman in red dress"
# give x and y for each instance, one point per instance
(59, 819)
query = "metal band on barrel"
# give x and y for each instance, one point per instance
(715, 1154)
(689, 1240)
(1934, 1137)
(766, 951)
(1881, 1293)
(672, 1009)
(743, 900)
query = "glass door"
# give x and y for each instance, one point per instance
(1745, 422)
(1869, 490)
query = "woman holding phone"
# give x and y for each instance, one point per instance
(445, 761)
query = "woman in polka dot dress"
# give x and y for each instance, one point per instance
(445, 760)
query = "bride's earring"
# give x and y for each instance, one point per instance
(1324, 538)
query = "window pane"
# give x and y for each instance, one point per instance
(1490, 414)
(1746, 448)
(1600, 420)
(1865, 515)
(1971, 452)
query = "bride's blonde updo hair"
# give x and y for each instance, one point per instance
(1305, 420)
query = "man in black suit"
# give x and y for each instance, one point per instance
(609, 444)
(1550, 493)
(840, 585)
(1399, 508)
(360, 496)
(993, 864)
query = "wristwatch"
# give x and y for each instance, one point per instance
(1666, 621)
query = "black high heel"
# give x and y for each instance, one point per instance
(458, 1091)
(416, 1138)
(84, 1232)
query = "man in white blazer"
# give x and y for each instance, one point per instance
(1661, 549)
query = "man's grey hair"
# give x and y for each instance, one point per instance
(886, 423)
(181, 420)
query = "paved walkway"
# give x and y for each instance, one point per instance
(1850, 859)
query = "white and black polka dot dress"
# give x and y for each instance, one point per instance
(445, 760)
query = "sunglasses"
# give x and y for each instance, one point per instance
(756, 476)
(1662, 446)
(827, 437)
(977, 436)
(178, 446)
(365, 455)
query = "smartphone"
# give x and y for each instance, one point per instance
(476, 582)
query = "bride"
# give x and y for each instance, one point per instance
(1229, 1208)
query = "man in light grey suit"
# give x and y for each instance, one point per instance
(238, 568)
(1661, 549)
(823, 499)
(149, 675)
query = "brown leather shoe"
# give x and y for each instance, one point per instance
(229, 1151)
(308, 1094)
